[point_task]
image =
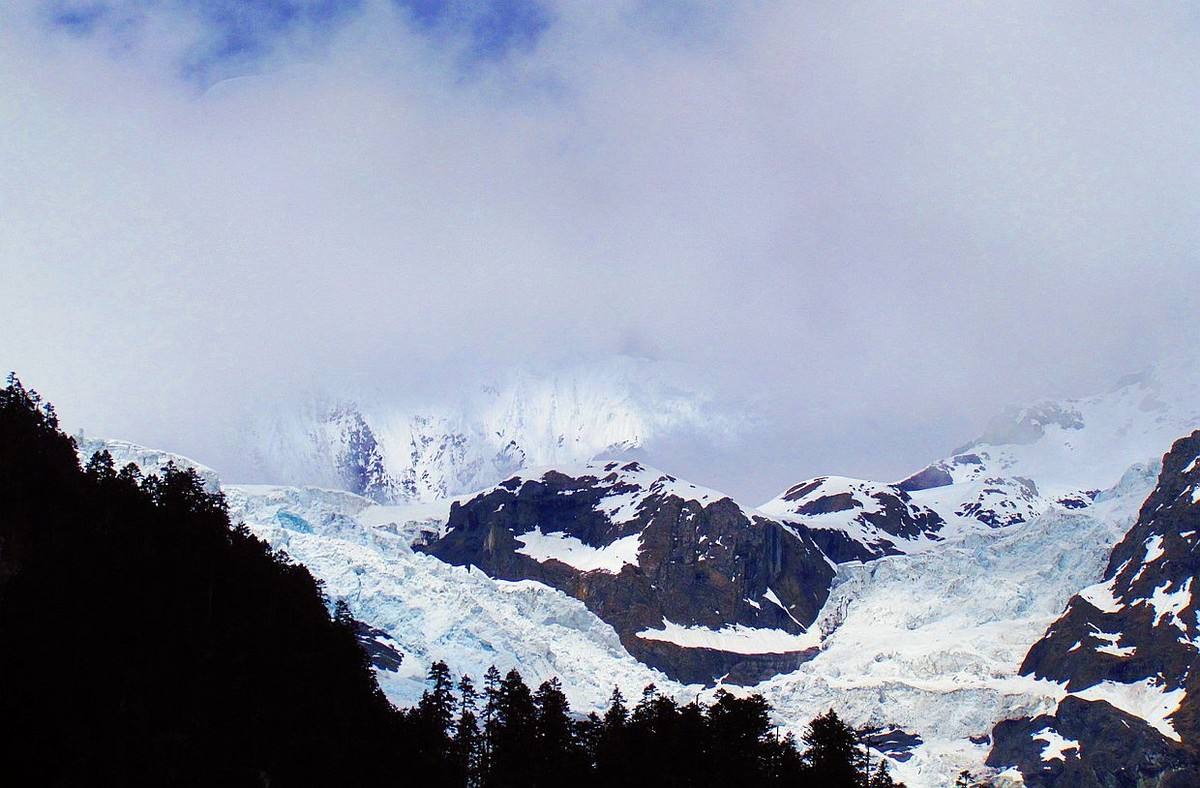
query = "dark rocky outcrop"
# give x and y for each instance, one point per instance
(896, 743)
(379, 646)
(1139, 626)
(927, 479)
(854, 519)
(700, 560)
(1105, 747)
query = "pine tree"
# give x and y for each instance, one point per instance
(513, 738)
(491, 696)
(612, 750)
(882, 777)
(436, 707)
(617, 715)
(739, 730)
(100, 468)
(558, 751)
(833, 754)
(466, 750)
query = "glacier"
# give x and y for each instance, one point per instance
(928, 640)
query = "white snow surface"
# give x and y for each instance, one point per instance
(573, 552)
(1057, 745)
(1147, 699)
(1171, 603)
(736, 639)
(1109, 644)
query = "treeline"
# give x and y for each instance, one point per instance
(144, 640)
(505, 735)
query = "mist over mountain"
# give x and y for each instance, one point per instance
(868, 232)
(831, 368)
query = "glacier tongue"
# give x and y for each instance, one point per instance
(433, 610)
(929, 642)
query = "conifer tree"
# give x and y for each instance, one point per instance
(617, 715)
(833, 752)
(436, 707)
(467, 745)
(513, 737)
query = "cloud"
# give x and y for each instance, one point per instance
(871, 226)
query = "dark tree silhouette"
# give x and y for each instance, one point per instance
(145, 640)
(466, 752)
(833, 756)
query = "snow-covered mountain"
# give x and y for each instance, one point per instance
(695, 585)
(1032, 460)
(1127, 655)
(939, 584)
(415, 451)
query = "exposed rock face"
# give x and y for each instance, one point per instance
(693, 584)
(1091, 743)
(897, 743)
(856, 520)
(380, 647)
(359, 459)
(1131, 645)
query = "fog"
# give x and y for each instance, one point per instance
(865, 227)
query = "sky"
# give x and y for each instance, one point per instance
(868, 226)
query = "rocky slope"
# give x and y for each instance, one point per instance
(695, 585)
(857, 520)
(1127, 651)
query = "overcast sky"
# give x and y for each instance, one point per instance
(871, 225)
